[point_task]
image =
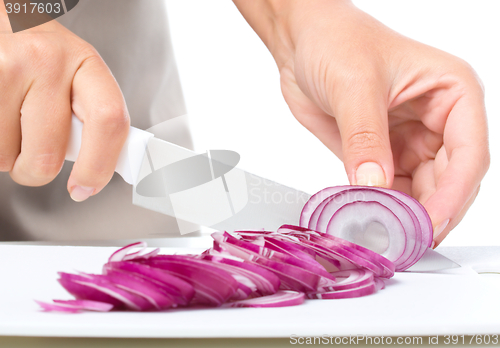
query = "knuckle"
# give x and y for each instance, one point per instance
(38, 54)
(10, 69)
(464, 67)
(89, 52)
(470, 76)
(362, 141)
(112, 118)
(44, 168)
(45, 52)
(466, 76)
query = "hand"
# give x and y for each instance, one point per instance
(398, 113)
(45, 73)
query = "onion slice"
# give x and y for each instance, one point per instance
(283, 298)
(266, 282)
(98, 288)
(179, 290)
(74, 306)
(363, 290)
(212, 285)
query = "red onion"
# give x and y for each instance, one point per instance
(250, 269)
(349, 238)
(386, 221)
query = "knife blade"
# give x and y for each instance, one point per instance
(432, 261)
(205, 189)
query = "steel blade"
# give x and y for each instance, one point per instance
(209, 190)
(432, 261)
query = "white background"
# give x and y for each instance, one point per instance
(231, 85)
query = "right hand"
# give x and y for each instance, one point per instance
(47, 72)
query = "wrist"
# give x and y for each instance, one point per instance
(280, 23)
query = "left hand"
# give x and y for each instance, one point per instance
(398, 113)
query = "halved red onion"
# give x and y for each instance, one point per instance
(386, 221)
(422, 218)
(375, 228)
(315, 201)
(418, 209)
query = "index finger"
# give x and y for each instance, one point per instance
(98, 102)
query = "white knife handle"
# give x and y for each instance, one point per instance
(131, 156)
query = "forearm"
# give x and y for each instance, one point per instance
(280, 22)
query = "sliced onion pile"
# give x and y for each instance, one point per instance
(244, 269)
(388, 222)
(350, 239)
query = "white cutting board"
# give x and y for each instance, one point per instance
(461, 302)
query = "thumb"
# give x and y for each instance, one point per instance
(364, 131)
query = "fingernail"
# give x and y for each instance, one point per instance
(370, 174)
(81, 193)
(440, 228)
(433, 244)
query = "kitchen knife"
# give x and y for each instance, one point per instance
(432, 261)
(209, 190)
(199, 189)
